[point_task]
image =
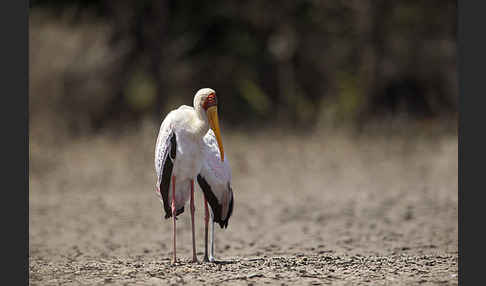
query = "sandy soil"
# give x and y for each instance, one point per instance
(323, 209)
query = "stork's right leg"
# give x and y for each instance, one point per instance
(174, 218)
(206, 220)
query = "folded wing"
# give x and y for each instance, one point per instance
(215, 180)
(165, 154)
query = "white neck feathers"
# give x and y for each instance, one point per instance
(200, 121)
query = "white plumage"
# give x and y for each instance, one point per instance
(217, 173)
(187, 148)
(188, 157)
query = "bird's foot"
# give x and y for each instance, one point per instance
(211, 259)
(174, 261)
(206, 258)
(194, 260)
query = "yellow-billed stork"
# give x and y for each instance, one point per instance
(189, 146)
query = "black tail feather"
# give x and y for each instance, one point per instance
(178, 212)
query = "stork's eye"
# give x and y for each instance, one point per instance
(210, 101)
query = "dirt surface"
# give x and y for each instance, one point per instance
(309, 210)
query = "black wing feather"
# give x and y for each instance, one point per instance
(213, 202)
(166, 177)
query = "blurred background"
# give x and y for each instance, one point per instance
(102, 64)
(339, 119)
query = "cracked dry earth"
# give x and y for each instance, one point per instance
(327, 209)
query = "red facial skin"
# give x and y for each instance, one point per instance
(210, 101)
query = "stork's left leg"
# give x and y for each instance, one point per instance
(211, 237)
(194, 257)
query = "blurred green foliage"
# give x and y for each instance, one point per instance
(255, 97)
(141, 91)
(288, 62)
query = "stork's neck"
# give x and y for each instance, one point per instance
(200, 123)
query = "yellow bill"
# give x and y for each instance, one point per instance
(214, 124)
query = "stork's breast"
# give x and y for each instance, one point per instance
(188, 161)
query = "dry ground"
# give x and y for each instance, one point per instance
(323, 209)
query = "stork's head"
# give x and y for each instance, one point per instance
(206, 101)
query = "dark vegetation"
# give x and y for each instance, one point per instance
(288, 62)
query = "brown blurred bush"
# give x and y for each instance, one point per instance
(111, 63)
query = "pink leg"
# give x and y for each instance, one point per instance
(174, 217)
(194, 257)
(206, 221)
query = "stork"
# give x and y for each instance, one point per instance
(189, 146)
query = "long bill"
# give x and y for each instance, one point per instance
(214, 124)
